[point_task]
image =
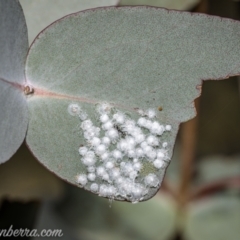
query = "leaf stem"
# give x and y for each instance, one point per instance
(187, 156)
(14, 84)
(218, 185)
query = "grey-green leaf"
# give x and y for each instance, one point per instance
(131, 58)
(13, 50)
(217, 218)
(94, 218)
(217, 168)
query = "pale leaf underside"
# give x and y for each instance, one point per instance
(13, 105)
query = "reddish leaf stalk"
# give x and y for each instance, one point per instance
(187, 156)
(219, 185)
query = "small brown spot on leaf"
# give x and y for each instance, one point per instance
(160, 108)
(28, 90)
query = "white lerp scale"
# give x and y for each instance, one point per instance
(115, 151)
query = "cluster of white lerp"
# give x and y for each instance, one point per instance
(116, 149)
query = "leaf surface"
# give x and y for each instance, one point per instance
(131, 58)
(216, 218)
(13, 50)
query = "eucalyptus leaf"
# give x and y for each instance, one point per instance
(170, 4)
(40, 13)
(155, 219)
(127, 58)
(215, 168)
(215, 218)
(13, 105)
(95, 218)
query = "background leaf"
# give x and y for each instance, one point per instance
(215, 168)
(213, 218)
(40, 13)
(13, 50)
(137, 57)
(90, 217)
(170, 4)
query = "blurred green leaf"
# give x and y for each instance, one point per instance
(170, 4)
(216, 168)
(155, 219)
(215, 218)
(96, 218)
(13, 50)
